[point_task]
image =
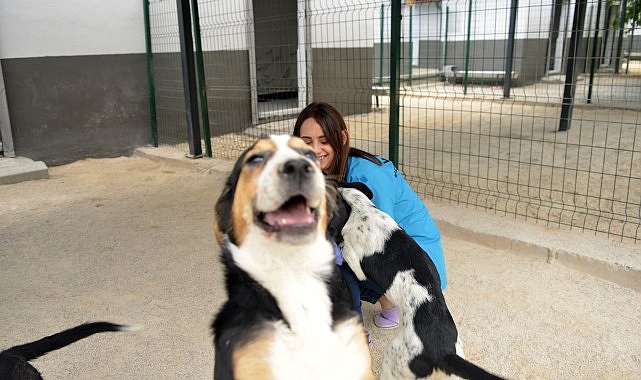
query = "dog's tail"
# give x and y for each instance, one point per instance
(460, 367)
(33, 350)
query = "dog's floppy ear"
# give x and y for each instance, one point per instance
(223, 209)
(360, 186)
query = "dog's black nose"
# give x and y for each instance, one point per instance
(298, 168)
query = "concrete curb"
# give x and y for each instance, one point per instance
(19, 169)
(599, 256)
(173, 156)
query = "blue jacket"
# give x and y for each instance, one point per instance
(393, 195)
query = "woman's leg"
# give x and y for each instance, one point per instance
(354, 288)
(389, 315)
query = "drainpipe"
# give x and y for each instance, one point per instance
(189, 78)
(6, 138)
(202, 85)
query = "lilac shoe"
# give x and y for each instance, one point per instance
(387, 319)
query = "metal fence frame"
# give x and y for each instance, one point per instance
(555, 142)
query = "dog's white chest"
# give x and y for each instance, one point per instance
(306, 346)
(321, 354)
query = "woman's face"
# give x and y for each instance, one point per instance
(312, 133)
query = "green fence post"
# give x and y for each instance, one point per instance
(587, 41)
(467, 46)
(569, 89)
(380, 53)
(617, 59)
(410, 50)
(593, 54)
(447, 23)
(150, 76)
(509, 55)
(394, 78)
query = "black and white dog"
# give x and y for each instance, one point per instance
(288, 314)
(14, 362)
(376, 248)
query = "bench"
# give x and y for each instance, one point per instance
(379, 91)
(452, 74)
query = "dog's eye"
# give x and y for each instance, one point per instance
(255, 159)
(310, 154)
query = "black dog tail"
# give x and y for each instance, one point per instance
(33, 350)
(460, 367)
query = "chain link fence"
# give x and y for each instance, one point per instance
(528, 110)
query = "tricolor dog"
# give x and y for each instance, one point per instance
(376, 248)
(288, 314)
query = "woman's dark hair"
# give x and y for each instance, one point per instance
(332, 123)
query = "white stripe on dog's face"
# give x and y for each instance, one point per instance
(274, 185)
(280, 191)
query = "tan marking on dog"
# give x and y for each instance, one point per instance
(246, 189)
(297, 143)
(251, 360)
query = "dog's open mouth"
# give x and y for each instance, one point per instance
(294, 214)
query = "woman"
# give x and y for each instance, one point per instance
(322, 127)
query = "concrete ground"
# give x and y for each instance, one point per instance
(130, 240)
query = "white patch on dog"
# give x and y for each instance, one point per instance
(322, 355)
(407, 295)
(269, 197)
(277, 266)
(366, 230)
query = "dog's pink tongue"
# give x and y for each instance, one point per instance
(293, 214)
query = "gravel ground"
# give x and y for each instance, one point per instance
(130, 240)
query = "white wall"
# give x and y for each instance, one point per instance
(38, 28)
(344, 24)
(491, 19)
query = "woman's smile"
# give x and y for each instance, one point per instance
(312, 133)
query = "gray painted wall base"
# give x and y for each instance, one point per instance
(67, 108)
